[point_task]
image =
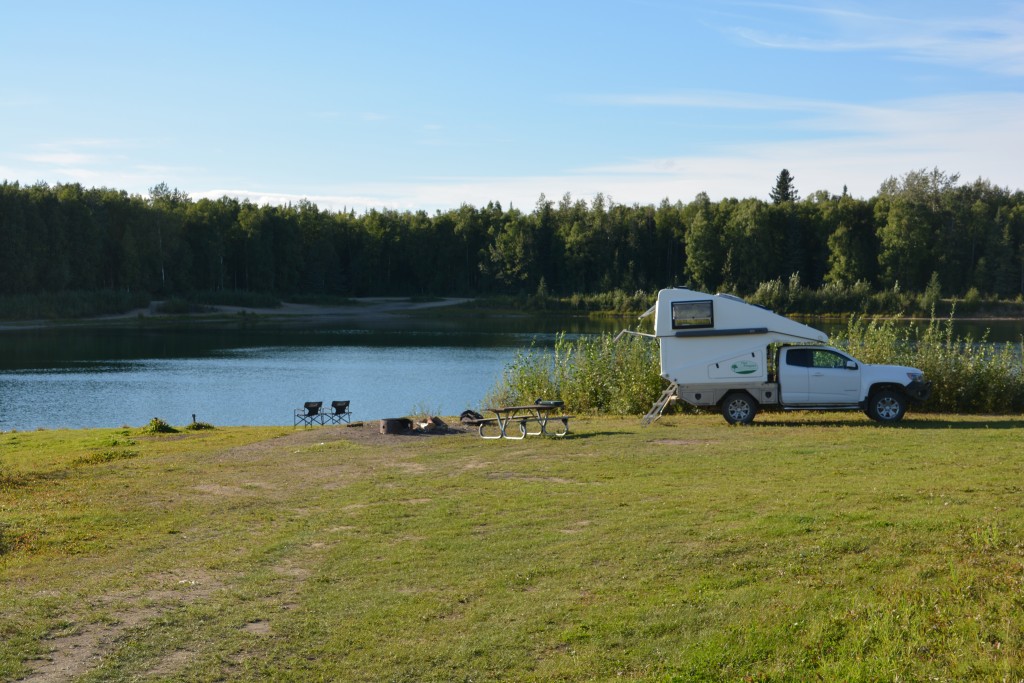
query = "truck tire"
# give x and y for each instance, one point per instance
(887, 406)
(739, 408)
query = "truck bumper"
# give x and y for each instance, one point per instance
(919, 391)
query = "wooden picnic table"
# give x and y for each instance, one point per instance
(520, 417)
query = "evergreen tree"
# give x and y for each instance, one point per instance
(784, 190)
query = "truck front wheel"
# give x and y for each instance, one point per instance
(887, 406)
(739, 408)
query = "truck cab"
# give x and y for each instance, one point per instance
(720, 351)
(825, 378)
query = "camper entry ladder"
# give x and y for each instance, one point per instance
(655, 412)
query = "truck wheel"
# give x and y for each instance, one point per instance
(887, 406)
(739, 408)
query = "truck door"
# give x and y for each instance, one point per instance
(831, 381)
(794, 374)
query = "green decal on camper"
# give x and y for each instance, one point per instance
(744, 367)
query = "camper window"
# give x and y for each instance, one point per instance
(688, 315)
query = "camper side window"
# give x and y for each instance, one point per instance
(688, 315)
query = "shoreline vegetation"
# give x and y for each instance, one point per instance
(783, 297)
(47, 311)
(602, 375)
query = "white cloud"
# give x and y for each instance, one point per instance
(994, 42)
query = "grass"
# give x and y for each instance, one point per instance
(804, 547)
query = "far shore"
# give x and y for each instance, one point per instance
(368, 309)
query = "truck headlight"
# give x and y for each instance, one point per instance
(915, 376)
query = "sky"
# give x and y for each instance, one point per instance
(428, 105)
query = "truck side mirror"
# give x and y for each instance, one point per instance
(851, 365)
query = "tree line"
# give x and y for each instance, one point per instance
(919, 229)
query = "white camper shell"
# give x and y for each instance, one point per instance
(718, 350)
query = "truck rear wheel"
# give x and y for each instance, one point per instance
(739, 408)
(887, 406)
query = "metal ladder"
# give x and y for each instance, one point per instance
(655, 412)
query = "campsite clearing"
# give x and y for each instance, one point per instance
(805, 546)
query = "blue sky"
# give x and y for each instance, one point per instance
(428, 105)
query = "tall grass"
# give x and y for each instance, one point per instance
(790, 296)
(968, 375)
(591, 374)
(600, 375)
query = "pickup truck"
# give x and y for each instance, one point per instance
(820, 378)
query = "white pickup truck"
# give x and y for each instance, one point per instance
(719, 351)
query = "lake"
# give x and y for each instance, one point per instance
(108, 376)
(241, 373)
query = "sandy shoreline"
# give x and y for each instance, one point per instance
(364, 309)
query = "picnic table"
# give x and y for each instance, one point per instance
(514, 422)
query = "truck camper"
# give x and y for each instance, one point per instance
(720, 351)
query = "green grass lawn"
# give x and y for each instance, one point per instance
(805, 547)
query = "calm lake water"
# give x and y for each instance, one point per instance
(111, 376)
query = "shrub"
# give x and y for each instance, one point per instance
(180, 306)
(235, 297)
(158, 426)
(591, 374)
(70, 304)
(967, 375)
(198, 426)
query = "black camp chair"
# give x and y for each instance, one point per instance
(309, 414)
(340, 413)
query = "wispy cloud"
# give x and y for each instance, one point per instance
(61, 158)
(977, 135)
(960, 115)
(993, 43)
(853, 146)
(713, 100)
(91, 162)
(80, 152)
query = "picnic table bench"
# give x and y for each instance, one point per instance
(520, 418)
